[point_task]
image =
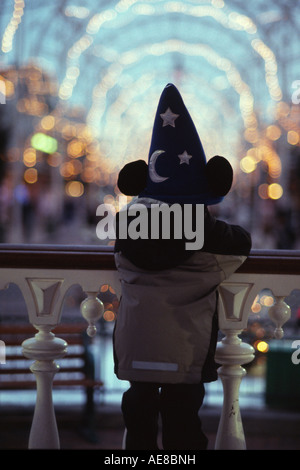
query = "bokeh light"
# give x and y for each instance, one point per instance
(261, 346)
(78, 109)
(31, 176)
(74, 189)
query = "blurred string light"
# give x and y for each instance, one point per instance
(77, 12)
(115, 113)
(234, 21)
(270, 68)
(9, 33)
(119, 102)
(114, 73)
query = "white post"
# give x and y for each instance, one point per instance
(231, 354)
(44, 299)
(44, 348)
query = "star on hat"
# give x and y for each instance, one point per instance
(169, 118)
(184, 157)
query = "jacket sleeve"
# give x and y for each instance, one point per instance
(223, 238)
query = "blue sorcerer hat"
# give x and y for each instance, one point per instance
(177, 170)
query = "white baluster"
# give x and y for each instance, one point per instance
(279, 313)
(91, 309)
(44, 299)
(44, 348)
(232, 353)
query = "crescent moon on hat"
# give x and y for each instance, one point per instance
(154, 176)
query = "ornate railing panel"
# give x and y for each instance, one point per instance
(44, 275)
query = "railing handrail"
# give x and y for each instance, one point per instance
(272, 262)
(73, 257)
(95, 257)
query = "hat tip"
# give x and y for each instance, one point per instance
(170, 85)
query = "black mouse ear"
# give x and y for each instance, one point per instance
(132, 178)
(219, 175)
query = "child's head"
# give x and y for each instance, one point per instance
(177, 170)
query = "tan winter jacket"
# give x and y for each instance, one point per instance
(164, 323)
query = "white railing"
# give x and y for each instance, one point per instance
(44, 275)
(278, 271)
